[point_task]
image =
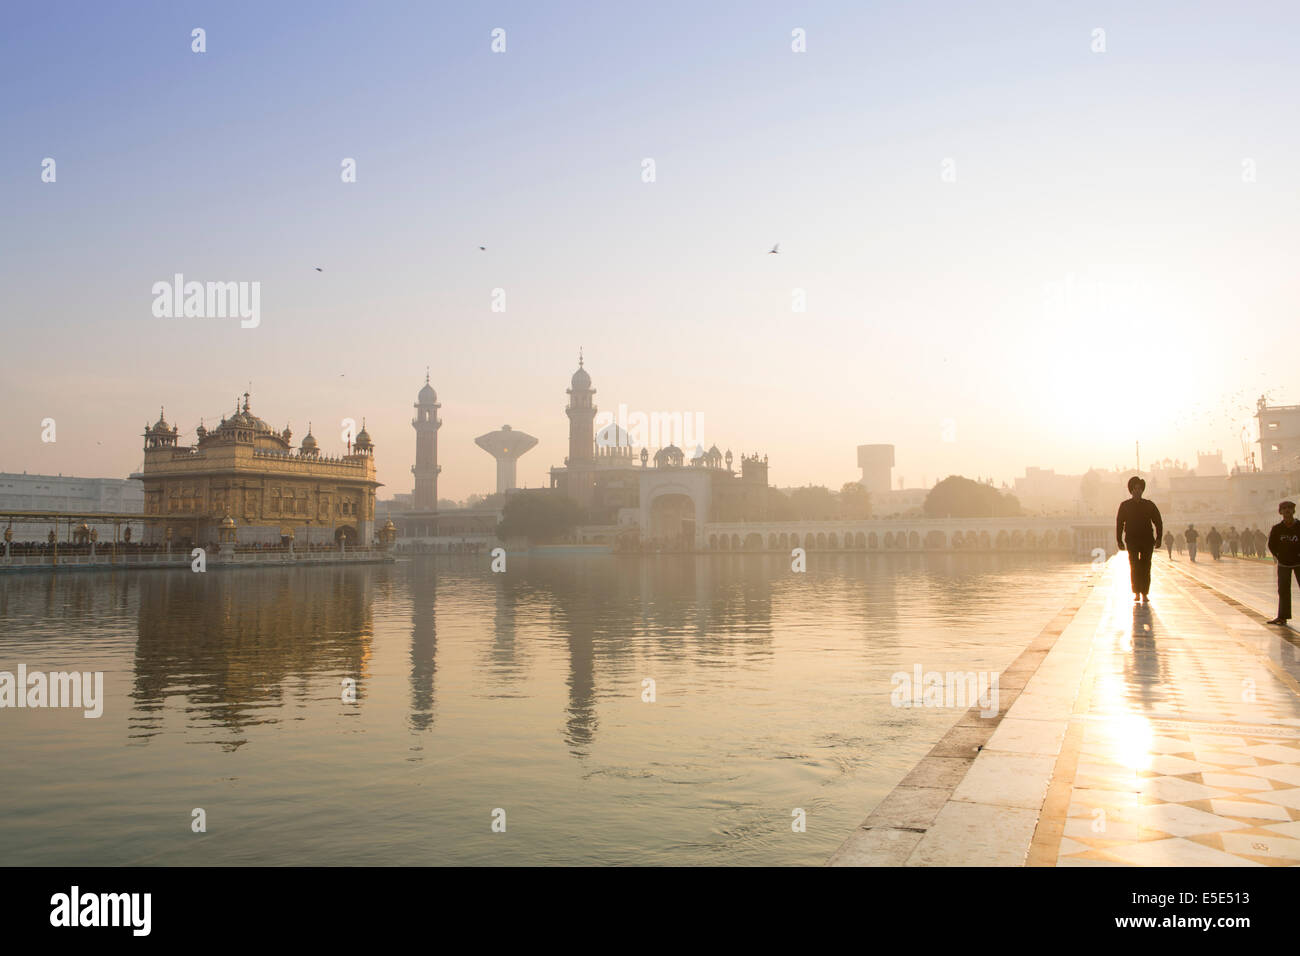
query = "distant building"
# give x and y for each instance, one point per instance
(899, 501)
(1279, 436)
(1162, 472)
(623, 498)
(246, 470)
(1258, 492)
(1043, 491)
(1210, 465)
(66, 493)
(1204, 488)
(1193, 493)
(69, 495)
(877, 464)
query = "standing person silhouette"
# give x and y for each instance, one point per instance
(1133, 523)
(1169, 544)
(1284, 542)
(1215, 542)
(1191, 534)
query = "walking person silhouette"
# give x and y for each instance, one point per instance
(1215, 542)
(1133, 533)
(1284, 543)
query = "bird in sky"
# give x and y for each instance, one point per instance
(482, 248)
(319, 269)
(774, 250)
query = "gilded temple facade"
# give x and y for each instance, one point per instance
(247, 471)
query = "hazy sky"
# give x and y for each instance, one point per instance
(1099, 271)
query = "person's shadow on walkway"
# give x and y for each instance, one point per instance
(1144, 669)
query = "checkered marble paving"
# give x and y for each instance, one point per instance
(1150, 795)
(1185, 742)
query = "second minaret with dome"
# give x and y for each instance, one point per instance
(426, 468)
(582, 416)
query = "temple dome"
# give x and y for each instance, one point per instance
(243, 418)
(427, 395)
(362, 442)
(246, 419)
(669, 455)
(613, 436)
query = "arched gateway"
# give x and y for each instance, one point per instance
(674, 504)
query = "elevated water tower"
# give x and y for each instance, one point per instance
(506, 445)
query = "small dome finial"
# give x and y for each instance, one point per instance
(579, 356)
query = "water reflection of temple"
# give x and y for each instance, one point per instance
(613, 624)
(238, 646)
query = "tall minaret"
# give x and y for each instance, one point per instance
(581, 463)
(426, 468)
(582, 416)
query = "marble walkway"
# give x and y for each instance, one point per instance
(1159, 735)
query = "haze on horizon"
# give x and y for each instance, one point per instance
(1102, 270)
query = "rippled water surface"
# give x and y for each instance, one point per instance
(476, 691)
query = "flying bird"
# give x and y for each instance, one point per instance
(319, 269)
(773, 251)
(482, 248)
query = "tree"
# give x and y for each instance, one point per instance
(958, 497)
(855, 501)
(813, 503)
(538, 516)
(1090, 491)
(779, 507)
